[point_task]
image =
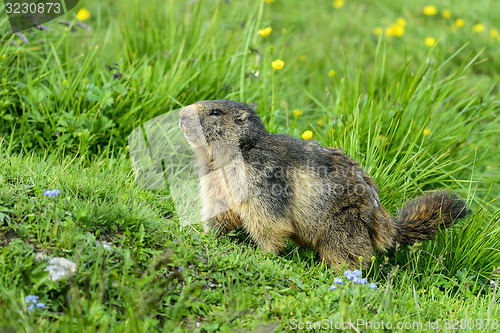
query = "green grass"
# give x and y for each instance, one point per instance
(226, 283)
(416, 117)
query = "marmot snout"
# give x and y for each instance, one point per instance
(277, 186)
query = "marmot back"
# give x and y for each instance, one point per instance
(277, 186)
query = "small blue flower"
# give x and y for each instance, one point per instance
(31, 298)
(349, 274)
(356, 272)
(359, 280)
(34, 302)
(332, 287)
(493, 282)
(338, 280)
(372, 286)
(49, 193)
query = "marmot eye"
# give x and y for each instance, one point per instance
(216, 112)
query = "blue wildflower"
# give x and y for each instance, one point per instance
(349, 274)
(34, 302)
(49, 193)
(30, 298)
(356, 272)
(372, 286)
(332, 287)
(359, 280)
(338, 280)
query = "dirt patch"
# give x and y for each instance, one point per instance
(5, 237)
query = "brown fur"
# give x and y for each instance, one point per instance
(278, 186)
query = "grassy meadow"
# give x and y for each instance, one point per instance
(409, 90)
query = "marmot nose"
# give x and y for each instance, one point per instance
(186, 113)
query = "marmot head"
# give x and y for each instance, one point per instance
(221, 121)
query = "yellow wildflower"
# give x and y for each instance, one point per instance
(278, 64)
(265, 32)
(378, 31)
(427, 131)
(399, 30)
(338, 3)
(430, 41)
(331, 73)
(307, 135)
(297, 113)
(395, 30)
(83, 14)
(494, 33)
(478, 27)
(460, 22)
(401, 22)
(446, 13)
(429, 10)
(320, 122)
(268, 1)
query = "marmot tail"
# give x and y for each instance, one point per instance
(421, 217)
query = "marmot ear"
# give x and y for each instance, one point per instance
(240, 116)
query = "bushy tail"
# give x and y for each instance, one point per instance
(420, 218)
